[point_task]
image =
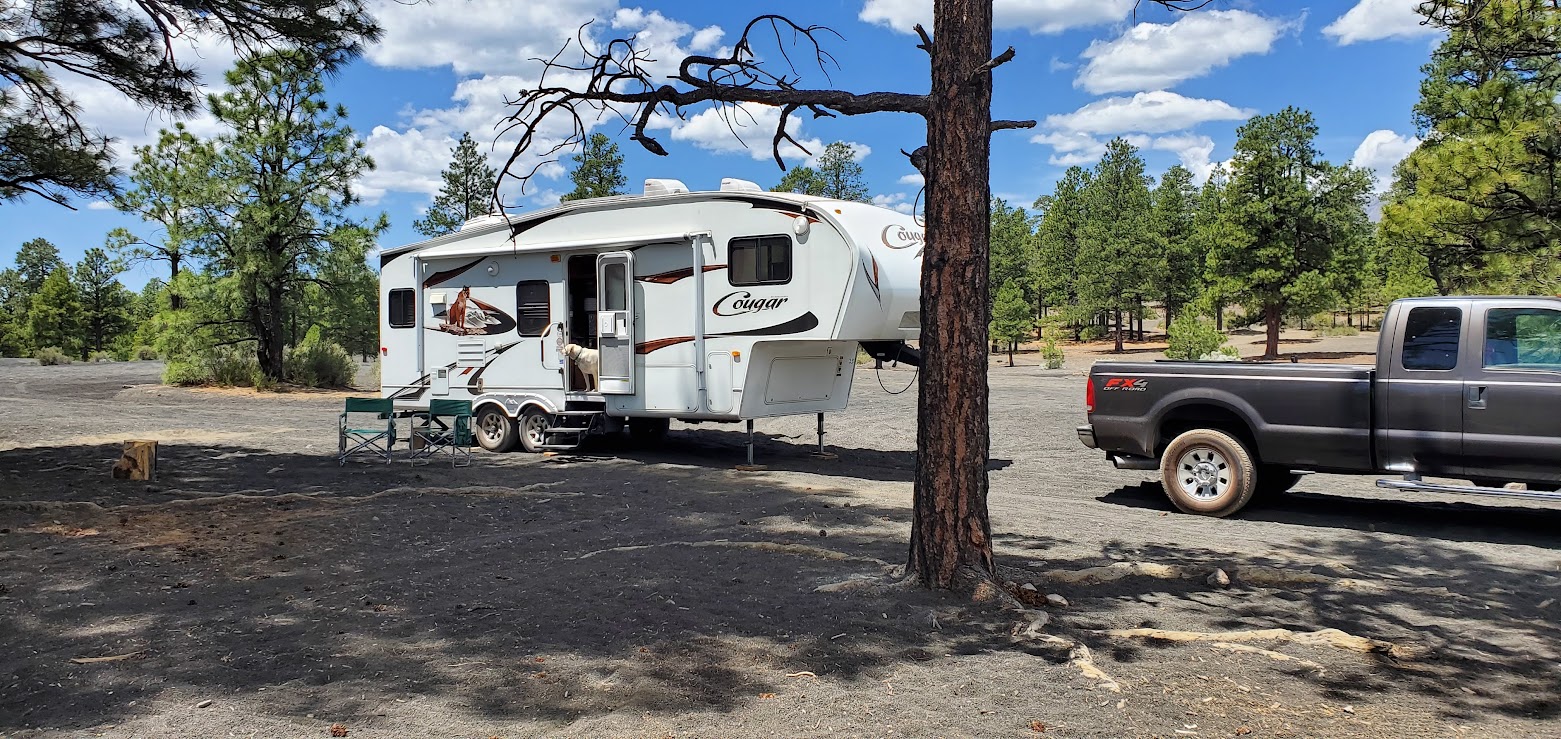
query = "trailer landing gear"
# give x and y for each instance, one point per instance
(750, 467)
(821, 454)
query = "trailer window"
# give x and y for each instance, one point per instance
(532, 311)
(1431, 338)
(759, 260)
(1522, 338)
(402, 308)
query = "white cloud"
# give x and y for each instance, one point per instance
(1193, 150)
(1371, 20)
(100, 205)
(914, 179)
(1036, 16)
(493, 45)
(745, 127)
(1380, 152)
(897, 201)
(1154, 56)
(1145, 112)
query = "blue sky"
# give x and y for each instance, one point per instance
(1178, 85)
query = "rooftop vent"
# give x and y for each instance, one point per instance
(664, 187)
(482, 221)
(732, 184)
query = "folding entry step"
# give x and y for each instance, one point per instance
(574, 427)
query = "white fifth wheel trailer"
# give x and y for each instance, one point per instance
(702, 306)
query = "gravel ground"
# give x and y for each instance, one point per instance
(259, 589)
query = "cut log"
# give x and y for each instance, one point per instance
(138, 462)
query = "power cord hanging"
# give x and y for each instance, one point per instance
(878, 373)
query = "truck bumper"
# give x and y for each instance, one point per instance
(1087, 436)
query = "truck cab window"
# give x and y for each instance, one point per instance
(403, 308)
(1431, 338)
(759, 260)
(1522, 338)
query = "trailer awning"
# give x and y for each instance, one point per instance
(509, 246)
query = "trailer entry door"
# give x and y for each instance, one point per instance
(615, 322)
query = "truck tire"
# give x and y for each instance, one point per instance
(530, 426)
(1208, 472)
(494, 430)
(1273, 480)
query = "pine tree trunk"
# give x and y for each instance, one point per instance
(268, 333)
(175, 300)
(1272, 318)
(1219, 316)
(1119, 330)
(951, 536)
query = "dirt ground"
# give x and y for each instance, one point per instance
(259, 589)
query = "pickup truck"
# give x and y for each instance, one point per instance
(1467, 388)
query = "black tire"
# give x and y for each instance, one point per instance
(494, 429)
(649, 431)
(529, 428)
(1208, 473)
(1273, 480)
(1544, 487)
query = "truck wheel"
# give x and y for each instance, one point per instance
(532, 423)
(1208, 472)
(495, 431)
(1273, 480)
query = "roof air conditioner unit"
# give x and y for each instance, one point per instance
(664, 187)
(732, 184)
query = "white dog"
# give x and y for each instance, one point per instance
(588, 360)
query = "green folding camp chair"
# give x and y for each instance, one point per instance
(447, 428)
(367, 437)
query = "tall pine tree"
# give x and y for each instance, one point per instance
(598, 170)
(1115, 250)
(467, 193)
(105, 304)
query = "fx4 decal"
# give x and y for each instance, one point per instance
(1131, 384)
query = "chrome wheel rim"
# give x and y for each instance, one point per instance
(492, 427)
(535, 424)
(1203, 473)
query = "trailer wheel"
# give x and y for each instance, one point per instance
(495, 430)
(1208, 472)
(1273, 480)
(532, 425)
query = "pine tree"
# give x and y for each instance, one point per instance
(1012, 321)
(1115, 249)
(35, 261)
(54, 314)
(467, 193)
(598, 170)
(801, 180)
(1175, 265)
(161, 194)
(268, 235)
(1299, 215)
(105, 304)
(45, 150)
(838, 175)
(1058, 237)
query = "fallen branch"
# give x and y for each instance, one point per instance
(114, 658)
(1079, 657)
(1321, 637)
(1269, 653)
(767, 546)
(1119, 570)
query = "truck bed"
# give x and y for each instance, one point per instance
(1307, 416)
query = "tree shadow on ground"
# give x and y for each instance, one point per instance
(532, 591)
(1449, 521)
(1494, 642)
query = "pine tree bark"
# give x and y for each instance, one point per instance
(1271, 319)
(951, 536)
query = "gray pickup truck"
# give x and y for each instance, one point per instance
(1467, 388)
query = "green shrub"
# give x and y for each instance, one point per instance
(319, 364)
(370, 380)
(1231, 352)
(1337, 331)
(1191, 338)
(1093, 333)
(144, 354)
(50, 356)
(187, 371)
(1051, 355)
(102, 357)
(232, 367)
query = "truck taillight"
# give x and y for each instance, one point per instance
(1089, 396)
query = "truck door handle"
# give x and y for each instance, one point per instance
(1477, 397)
